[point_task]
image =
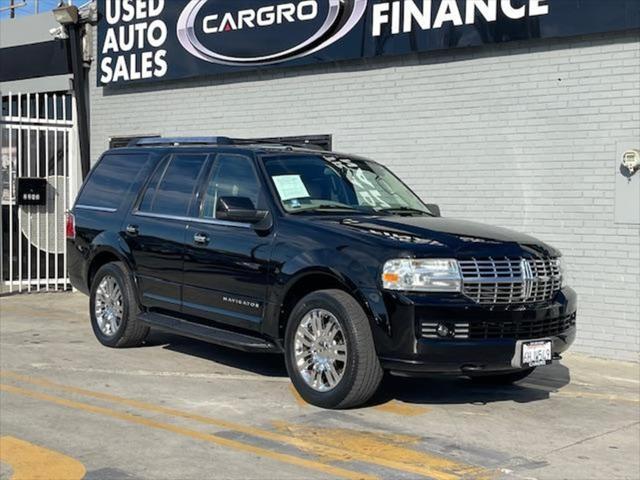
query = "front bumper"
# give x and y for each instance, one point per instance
(402, 349)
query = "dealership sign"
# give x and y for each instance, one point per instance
(144, 40)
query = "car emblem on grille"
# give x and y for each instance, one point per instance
(528, 278)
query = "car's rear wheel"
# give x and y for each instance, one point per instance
(503, 378)
(330, 354)
(114, 309)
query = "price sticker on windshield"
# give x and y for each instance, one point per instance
(290, 187)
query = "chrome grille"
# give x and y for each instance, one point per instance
(503, 281)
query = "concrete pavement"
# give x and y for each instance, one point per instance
(182, 409)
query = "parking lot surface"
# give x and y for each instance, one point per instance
(181, 409)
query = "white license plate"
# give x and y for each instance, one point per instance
(536, 353)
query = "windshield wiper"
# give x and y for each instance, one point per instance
(404, 210)
(326, 207)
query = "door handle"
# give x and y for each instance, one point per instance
(201, 238)
(132, 230)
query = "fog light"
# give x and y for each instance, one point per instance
(443, 331)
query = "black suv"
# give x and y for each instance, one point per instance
(327, 258)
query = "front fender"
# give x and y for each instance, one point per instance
(354, 270)
(351, 266)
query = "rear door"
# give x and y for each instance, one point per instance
(156, 228)
(102, 203)
(225, 279)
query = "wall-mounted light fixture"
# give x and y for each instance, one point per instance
(631, 161)
(66, 14)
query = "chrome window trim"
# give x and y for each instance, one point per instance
(97, 209)
(206, 221)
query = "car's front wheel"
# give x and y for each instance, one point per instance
(114, 309)
(330, 354)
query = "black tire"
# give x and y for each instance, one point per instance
(132, 331)
(362, 374)
(503, 378)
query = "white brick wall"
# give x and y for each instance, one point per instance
(521, 135)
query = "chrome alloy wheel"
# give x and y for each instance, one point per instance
(320, 350)
(108, 306)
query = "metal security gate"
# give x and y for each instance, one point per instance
(37, 140)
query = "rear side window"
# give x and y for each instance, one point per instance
(173, 185)
(110, 181)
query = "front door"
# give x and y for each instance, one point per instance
(226, 263)
(156, 230)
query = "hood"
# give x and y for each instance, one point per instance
(458, 236)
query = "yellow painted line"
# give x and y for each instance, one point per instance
(386, 447)
(394, 407)
(30, 462)
(225, 442)
(403, 409)
(429, 465)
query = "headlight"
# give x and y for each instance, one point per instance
(422, 275)
(562, 267)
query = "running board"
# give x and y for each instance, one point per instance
(219, 336)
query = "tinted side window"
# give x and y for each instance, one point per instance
(173, 185)
(111, 179)
(232, 176)
(152, 186)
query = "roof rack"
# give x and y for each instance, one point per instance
(177, 141)
(267, 142)
(195, 141)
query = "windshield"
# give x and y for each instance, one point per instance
(308, 183)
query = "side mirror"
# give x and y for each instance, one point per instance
(434, 209)
(238, 209)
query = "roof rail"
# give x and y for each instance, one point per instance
(276, 143)
(177, 141)
(195, 141)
